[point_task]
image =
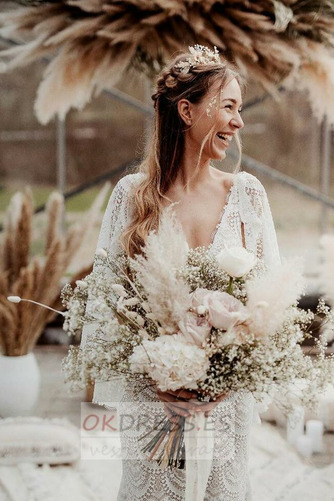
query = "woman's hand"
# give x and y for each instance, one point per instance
(177, 403)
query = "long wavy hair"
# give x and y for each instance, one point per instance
(165, 149)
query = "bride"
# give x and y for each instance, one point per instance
(198, 102)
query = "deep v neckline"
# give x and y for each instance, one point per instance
(228, 199)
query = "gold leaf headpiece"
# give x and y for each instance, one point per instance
(200, 55)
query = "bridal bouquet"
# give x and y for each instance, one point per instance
(181, 318)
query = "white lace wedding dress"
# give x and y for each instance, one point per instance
(228, 481)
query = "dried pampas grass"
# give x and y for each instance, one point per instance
(316, 77)
(270, 295)
(163, 255)
(40, 277)
(83, 255)
(93, 42)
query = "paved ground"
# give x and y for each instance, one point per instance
(55, 399)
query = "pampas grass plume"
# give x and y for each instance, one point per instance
(278, 289)
(91, 43)
(165, 251)
(37, 278)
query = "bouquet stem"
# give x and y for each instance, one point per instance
(230, 285)
(167, 445)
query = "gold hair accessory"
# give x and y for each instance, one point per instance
(200, 55)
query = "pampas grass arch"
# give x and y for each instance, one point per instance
(92, 43)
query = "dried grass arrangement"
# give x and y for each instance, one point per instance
(40, 277)
(91, 43)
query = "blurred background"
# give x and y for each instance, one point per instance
(110, 132)
(284, 145)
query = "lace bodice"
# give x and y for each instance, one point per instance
(247, 203)
(247, 206)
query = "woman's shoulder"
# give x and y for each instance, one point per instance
(120, 201)
(249, 183)
(129, 181)
(242, 182)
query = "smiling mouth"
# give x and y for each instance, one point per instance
(225, 138)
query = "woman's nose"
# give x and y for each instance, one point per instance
(237, 121)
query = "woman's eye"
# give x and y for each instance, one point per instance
(229, 106)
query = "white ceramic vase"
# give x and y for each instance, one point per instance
(19, 385)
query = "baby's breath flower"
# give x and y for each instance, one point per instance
(119, 289)
(101, 253)
(132, 301)
(132, 341)
(82, 284)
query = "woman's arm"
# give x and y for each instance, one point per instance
(258, 230)
(110, 231)
(113, 224)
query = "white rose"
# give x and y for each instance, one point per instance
(236, 261)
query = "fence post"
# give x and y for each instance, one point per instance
(61, 163)
(325, 171)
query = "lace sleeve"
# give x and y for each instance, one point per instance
(260, 236)
(115, 219)
(259, 229)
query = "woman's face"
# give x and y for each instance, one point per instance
(222, 115)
